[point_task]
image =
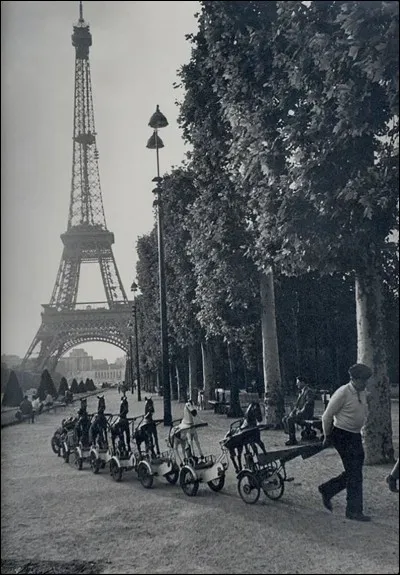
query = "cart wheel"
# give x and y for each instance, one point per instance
(216, 484)
(172, 476)
(116, 472)
(249, 487)
(145, 478)
(94, 463)
(273, 486)
(55, 445)
(188, 482)
(78, 461)
(65, 454)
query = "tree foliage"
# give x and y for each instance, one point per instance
(74, 386)
(63, 386)
(46, 386)
(13, 393)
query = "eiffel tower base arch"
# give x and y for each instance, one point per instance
(62, 330)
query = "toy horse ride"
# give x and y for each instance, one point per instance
(100, 453)
(268, 472)
(82, 447)
(146, 430)
(262, 470)
(122, 457)
(195, 469)
(59, 441)
(243, 434)
(153, 463)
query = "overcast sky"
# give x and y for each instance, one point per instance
(137, 48)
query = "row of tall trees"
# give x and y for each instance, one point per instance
(13, 392)
(280, 225)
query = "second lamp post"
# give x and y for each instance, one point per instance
(158, 120)
(134, 288)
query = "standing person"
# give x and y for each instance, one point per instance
(342, 422)
(27, 409)
(303, 409)
(393, 478)
(201, 399)
(37, 405)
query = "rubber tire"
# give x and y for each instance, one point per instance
(145, 478)
(280, 488)
(173, 475)
(65, 454)
(115, 471)
(94, 463)
(251, 478)
(55, 445)
(189, 488)
(217, 484)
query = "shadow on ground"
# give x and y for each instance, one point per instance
(11, 567)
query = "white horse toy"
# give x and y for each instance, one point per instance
(184, 434)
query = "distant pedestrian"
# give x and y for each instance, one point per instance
(26, 409)
(393, 478)
(342, 422)
(201, 399)
(37, 405)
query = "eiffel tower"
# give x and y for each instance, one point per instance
(65, 322)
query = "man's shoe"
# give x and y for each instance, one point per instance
(291, 442)
(358, 516)
(391, 481)
(325, 500)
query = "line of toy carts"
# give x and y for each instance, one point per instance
(261, 472)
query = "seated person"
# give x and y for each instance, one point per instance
(26, 408)
(303, 409)
(49, 400)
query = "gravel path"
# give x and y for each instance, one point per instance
(56, 519)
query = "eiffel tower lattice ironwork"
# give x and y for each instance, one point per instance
(65, 322)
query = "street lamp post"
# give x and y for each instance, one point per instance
(131, 361)
(134, 309)
(158, 120)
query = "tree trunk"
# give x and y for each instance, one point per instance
(157, 381)
(173, 382)
(193, 390)
(295, 312)
(182, 376)
(208, 372)
(274, 398)
(234, 407)
(377, 432)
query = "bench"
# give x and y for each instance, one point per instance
(23, 417)
(220, 407)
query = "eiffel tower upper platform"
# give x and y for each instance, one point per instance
(66, 322)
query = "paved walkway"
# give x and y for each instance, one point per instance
(52, 513)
